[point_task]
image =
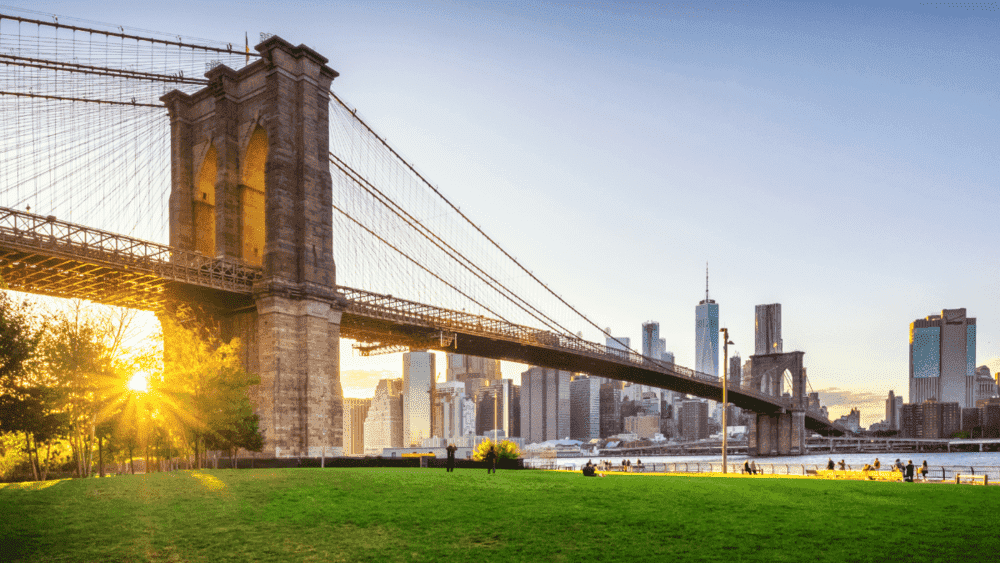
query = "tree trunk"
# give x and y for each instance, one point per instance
(100, 455)
(90, 452)
(48, 454)
(131, 460)
(32, 461)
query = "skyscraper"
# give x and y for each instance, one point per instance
(545, 405)
(384, 423)
(418, 391)
(893, 408)
(652, 345)
(498, 407)
(706, 344)
(355, 412)
(451, 420)
(585, 408)
(735, 371)
(622, 343)
(463, 368)
(943, 358)
(611, 402)
(694, 419)
(767, 329)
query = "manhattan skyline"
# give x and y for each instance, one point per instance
(837, 158)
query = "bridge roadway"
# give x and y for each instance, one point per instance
(47, 256)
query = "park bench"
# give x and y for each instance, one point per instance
(971, 478)
(811, 472)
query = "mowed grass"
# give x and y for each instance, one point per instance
(431, 515)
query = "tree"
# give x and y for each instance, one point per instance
(505, 450)
(27, 406)
(206, 390)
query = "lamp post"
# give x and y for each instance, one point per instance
(725, 407)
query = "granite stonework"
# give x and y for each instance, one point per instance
(267, 127)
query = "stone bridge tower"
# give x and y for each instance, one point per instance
(783, 433)
(251, 181)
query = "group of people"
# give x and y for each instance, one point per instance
(590, 470)
(906, 470)
(605, 465)
(840, 465)
(750, 467)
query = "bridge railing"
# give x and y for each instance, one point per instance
(31, 233)
(392, 308)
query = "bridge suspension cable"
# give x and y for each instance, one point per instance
(85, 136)
(356, 136)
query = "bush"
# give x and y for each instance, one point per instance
(505, 450)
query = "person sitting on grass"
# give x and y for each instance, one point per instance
(588, 470)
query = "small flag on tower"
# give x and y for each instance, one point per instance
(246, 39)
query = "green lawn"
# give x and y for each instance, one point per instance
(430, 515)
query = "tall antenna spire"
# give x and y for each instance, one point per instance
(706, 282)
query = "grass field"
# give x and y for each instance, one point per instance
(431, 515)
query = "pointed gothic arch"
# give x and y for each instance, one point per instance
(252, 202)
(203, 203)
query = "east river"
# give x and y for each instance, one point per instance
(964, 462)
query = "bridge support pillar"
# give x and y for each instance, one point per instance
(777, 434)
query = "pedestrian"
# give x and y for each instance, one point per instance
(909, 471)
(829, 464)
(638, 464)
(491, 460)
(624, 465)
(451, 457)
(923, 470)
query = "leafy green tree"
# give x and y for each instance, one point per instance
(205, 390)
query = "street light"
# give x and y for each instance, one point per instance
(725, 407)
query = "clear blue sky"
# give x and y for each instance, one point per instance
(841, 158)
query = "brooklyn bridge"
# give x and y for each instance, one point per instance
(152, 173)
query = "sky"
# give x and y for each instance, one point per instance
(840, 158)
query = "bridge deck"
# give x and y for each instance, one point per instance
(47, 256)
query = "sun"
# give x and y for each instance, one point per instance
(139, 382)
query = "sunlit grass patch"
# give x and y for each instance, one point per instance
(429, 515)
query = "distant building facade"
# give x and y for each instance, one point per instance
(622, 343)
(545, 405)
(355, 413)
(498, 407)
(652, 345)
(767, 329)
(454, 413)
(942, 358)
(611, 414)
(930, 420)
(643, 426)
(851, 420)
(735, 371)
(418, 392)
(383, 426)
(893, 411)
(694, 420)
